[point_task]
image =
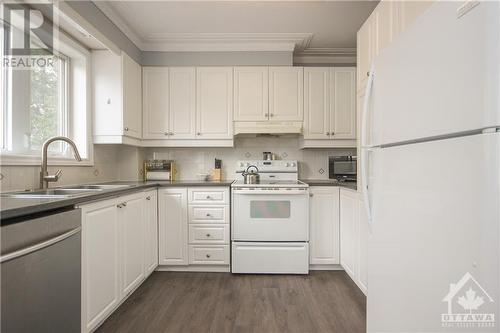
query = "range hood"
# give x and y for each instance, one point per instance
(267, 127)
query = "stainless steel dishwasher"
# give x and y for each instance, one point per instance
(41, 273)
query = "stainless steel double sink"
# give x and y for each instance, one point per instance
(65, 192)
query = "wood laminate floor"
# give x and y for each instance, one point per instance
(324, 301)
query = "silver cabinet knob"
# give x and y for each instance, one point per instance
(208, 255)
(166, 133)
(119, 206)
(198, 133)
(208, 235)
(368, 73)
(271, 115)
(332, 134)
(124, 204)
(126, 129)
(171, 133)
(208, 197)
(208, 215)
(148, 198)
(327, 133)
(311, 195)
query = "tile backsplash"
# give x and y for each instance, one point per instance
(313, 163)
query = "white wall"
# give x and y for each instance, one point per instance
(191, 161)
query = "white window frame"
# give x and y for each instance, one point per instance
(70, 48)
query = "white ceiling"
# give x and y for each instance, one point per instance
(319, 26)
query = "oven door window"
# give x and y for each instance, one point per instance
(270, 209)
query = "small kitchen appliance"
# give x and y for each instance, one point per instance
(342, 168)
(159, 170)
(270, 220)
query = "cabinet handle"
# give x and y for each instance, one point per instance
(271, 115)
(311, 195)
(208, 214)
(166, 133)
(327, 133)
(208, 197)
(126, 129)
(124, 204)
(148, 198)
(368, 73)
(198, 133)
(119, 206)
(171, 133)
(208, 235)
(332, 134)
(208, 255)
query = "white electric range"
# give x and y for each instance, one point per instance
(270, 220)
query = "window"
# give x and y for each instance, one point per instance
(40, 102)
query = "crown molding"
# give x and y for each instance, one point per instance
(119, 22)
(327, 52)
(229, 42)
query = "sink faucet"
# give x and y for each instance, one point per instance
(45, 178)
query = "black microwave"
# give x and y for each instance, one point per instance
(342, 168)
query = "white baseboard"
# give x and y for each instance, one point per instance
(195, 268)
(325, 268)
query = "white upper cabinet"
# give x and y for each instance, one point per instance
(286, 93)
(330, 103)
(155, 102)
(117, 97)
(317, 103)
(182, 102)
(251, 93)
(214, 102)
(343, 103)
(132, 97)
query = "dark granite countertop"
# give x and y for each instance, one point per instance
(330, 182)
(17, 207)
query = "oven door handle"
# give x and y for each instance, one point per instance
(277, 192)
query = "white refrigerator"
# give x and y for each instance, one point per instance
(431, 174)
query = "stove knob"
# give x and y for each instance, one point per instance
(293, 164)
(287, 164)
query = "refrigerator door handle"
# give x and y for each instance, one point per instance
(366, 105)
(365, 153)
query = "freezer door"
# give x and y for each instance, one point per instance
(439, 76)
(436, 218)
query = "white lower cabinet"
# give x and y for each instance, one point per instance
(151, 220)
(324, 239)
(115, 240)
(354, 235)
(173, 226)
(194, 228)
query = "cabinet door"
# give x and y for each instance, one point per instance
(348, 222)
(343, 103)
(182, 103)
(363, 54)
(155, 102)
(316, 103)
(410, 10)
(131, 222)
(214, 98)
(132, 97)
(251, 89)
(324, 239)
(107, 93)
(151, 227)
(100, 262)
(386, 25)
(363, 233)
(286, 93)
(173, 233)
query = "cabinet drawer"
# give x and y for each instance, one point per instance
(208, 214)
(209, 195)
(209, 234)
(209, 254)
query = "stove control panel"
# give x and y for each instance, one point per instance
(268, 166)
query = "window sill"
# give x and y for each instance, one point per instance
(29, 160)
